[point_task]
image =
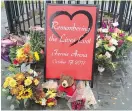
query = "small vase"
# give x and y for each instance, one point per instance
(101, 69)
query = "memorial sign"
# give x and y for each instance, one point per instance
(70, 40)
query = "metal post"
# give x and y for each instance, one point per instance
(102, 6)
(9, 16)
(121, 13)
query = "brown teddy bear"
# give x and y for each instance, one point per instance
(67, 85)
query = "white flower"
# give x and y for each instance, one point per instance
(98, 37)
(101, 69)
(105, 30)
(43, 101)
(35, 74)
(112, 48)
(12, 107)
(9, 97)
(100, 30)
(113, 41)
(115, 24)
(30, 71)
(99, 42)
(107, 54)
(97, 45)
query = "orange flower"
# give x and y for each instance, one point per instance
(26, 48)
(14, 91)
(30, 57)
(21, 88)
(20, 76)
(17, 90)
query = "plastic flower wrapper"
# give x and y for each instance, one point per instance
(50, 85)
(83, 97)
(9, 41)
(91, 102)
(77, 101)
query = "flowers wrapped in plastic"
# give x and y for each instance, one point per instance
(83, 98)
(7, 42)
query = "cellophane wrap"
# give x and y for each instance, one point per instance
(83, 92)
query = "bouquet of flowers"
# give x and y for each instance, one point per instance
(23, 86)
(7, 42)
(23, 54)
(111, 43)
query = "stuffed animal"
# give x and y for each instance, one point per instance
(67, 85)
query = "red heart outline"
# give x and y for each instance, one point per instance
(86, 13)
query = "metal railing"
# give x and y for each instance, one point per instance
(23, 14)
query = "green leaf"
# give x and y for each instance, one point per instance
(18, 102)
(25, 100)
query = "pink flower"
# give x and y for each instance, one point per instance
(116, 30)
(111, 29)
(120, 42)
(42, 51)
(110, 44)
(104, 25)
(108, 37)
(121, 34)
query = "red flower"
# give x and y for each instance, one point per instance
(51, 100)
(102, 35)
(15, 62)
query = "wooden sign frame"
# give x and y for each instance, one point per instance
(95, 34)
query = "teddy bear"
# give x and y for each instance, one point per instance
(67, 86)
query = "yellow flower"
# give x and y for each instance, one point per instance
(100, 56)
(129, 38)
(28, 82)
(51, 94)
(50, 104)
(114, 34)
(6, 83)
(30, 77)
(8, 79)
(36, 82)
(19, 97)
(19, 52)
(12, 83)
(36, 56)
(26, 94)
